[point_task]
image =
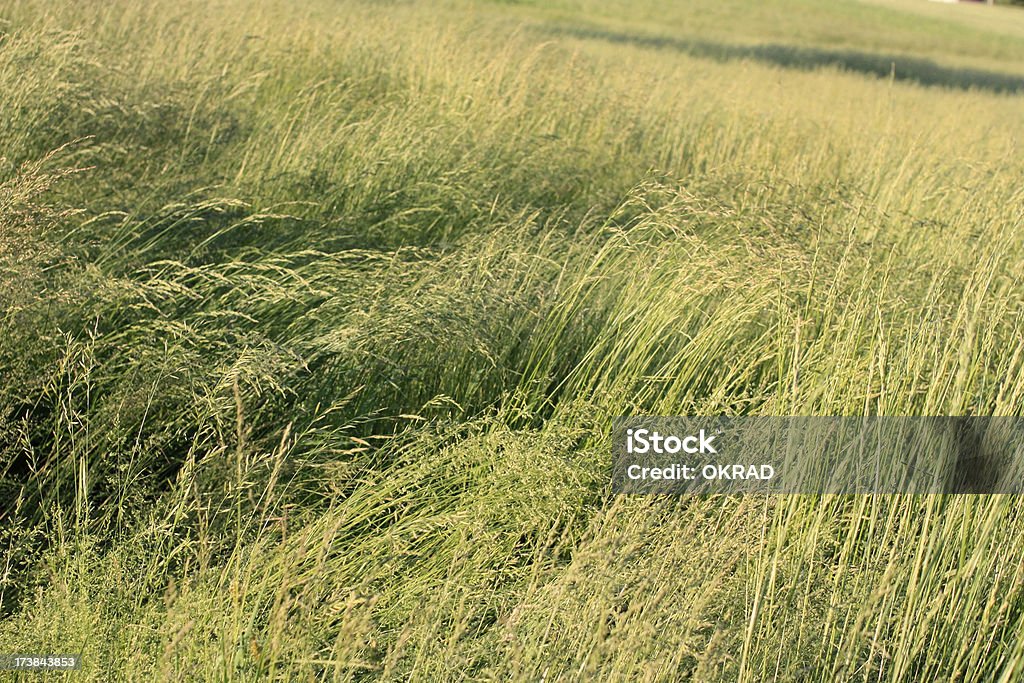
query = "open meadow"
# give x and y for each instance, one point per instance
(314, 318)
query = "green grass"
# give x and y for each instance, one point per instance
(314, 317)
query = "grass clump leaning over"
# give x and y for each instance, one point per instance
(313, 321)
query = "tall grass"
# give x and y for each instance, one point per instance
(313, 320)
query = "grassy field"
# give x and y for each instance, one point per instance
(314, 317)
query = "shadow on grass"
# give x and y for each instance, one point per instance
(898, 67)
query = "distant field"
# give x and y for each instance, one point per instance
(952, 32)
(1001, 19)
(314, 318)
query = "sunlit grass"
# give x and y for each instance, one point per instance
(314, 318)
